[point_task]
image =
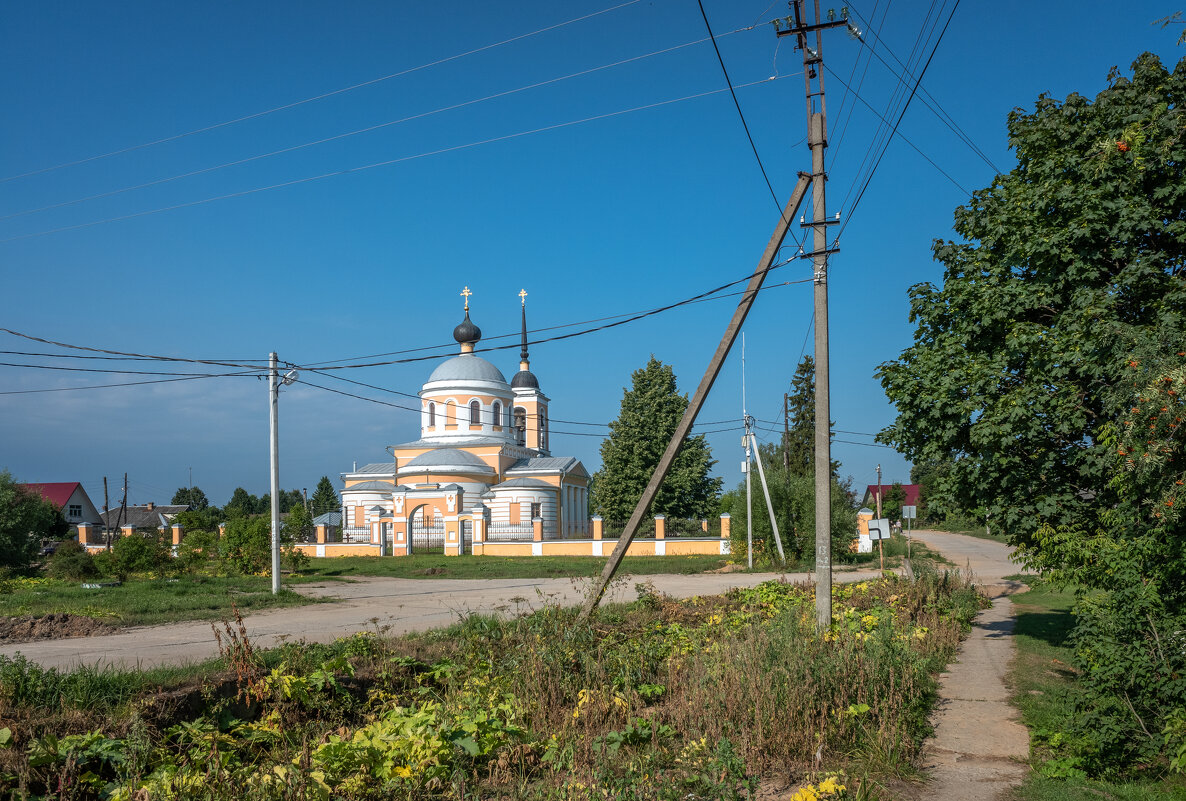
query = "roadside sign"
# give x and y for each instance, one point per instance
(909, 512)
(879, 529)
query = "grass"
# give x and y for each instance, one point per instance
(651, 701)
(1041, 677)
(140, 602)
(419, 566)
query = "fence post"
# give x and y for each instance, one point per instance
(725, 523)
(479, 529)
(537, 529)
(704, 525)
(84, 533)
(178, 533)
(127, 531)
(598, 527)
(320, 527)
(660, 526)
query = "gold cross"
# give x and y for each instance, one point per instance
(523, 296)
(465, 293)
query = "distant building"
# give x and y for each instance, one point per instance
(147, 516)
(912, 494)
(71, 498)
(483, 447)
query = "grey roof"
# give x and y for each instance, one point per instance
(375, 509)
(523, 483)
(371, 485)
(455, 443)
(467, 367)
(328, 519)
(375, 467)
(142, 516)
(447, 457)
(563, 464)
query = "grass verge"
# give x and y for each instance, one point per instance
(1042, 677)
(657, 700)
(419, 566)
(140, 602)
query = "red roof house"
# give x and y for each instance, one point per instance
(912, 493)
(70, 497)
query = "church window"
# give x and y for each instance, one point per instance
(536, 510)
(450, 414)
(496, 414)
(543, 428)
(475, 413)
(432, 415)
(521, 425)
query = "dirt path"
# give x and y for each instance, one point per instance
(980, 747)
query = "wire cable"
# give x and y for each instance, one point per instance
(108, 386)
(374, 165)
(315, 98)
(125, 353)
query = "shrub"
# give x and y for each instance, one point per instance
(198, 550)
(142, 552)
(72, 562)
(247, 546)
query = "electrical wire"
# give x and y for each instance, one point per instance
(374, 165)
(254, 371)
(109, 386)
(356, 132)
(125, 353)
(322, 96)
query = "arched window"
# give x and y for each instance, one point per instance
(496, 415)
(432, 415)
(521, 425)
(475, 413)
(543, 427)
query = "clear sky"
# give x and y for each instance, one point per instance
(529, 163)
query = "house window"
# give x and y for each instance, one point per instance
(432, 415)
(475, 413)
(75, 511)
(496, 415)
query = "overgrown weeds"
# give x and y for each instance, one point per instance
(660, 699)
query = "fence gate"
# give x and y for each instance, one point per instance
(428, 533)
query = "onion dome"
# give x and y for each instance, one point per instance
(524, 379)
(466, 333)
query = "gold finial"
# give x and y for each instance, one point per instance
(465, 293)
(523, 296)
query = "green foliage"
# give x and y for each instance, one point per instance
(799, 440)
(1065, 263)
(193, 496)
(71, 562)
(241, 504)
(247, 546)
(793, 497)
(651, 409)
(25, 519)
(325, 498)
(142, 552)
(198, 550)
(892, 500)
(206, 519)
(298, 526)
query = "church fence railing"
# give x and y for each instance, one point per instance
(612, 529)
(687, 527)
(356, 534)
(509, 531)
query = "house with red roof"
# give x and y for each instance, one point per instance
(71, 498)
(912, 492)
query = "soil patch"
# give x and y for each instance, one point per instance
(728, 569)
(54, 626)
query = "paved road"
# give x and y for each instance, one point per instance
(987, 559)
(395, 605)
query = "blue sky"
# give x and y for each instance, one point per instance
(629, 211)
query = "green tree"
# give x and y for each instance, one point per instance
(241, 504)
(193, 496)
(799, 439)
(325, 498)
(650, 411)
(891, 502)
(299, 523)
(25, 519)
(247, 546)
(1062, 265)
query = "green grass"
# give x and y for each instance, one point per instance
(1042, 675)
(141, 602)
(419, 566)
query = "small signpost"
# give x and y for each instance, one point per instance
(909, 513)
(879, 529)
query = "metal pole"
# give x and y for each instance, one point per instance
(698, 397)
(274, 449)
(766, 491)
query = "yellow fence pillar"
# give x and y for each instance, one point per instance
(537, 529)
(598, 527)
(660, 526)
(725, 522)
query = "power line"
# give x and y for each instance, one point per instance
(322, 96)
(109, 386)
(125, 353)
(374, 165)
(254, 371)
(356, 132)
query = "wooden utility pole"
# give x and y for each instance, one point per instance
(817, 138)
(701, 393)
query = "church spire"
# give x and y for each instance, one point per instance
(524, 364)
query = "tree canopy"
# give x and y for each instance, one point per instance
(325, 498)
(650, 411)
(193, 496)
(25, 518)
(1063, 266)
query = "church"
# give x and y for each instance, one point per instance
(483, 455)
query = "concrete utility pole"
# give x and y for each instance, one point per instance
(274, 452)
(749, 502)
(817, 137)
(880, 545)
(749, 424)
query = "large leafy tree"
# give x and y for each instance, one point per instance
(325, 498)
(650, 411)
(1060, 267)
(193, 496)
(25, 518)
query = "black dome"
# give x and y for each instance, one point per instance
(524, 379)
(467, 332)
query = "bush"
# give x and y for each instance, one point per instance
(198, 550)
(247, 546)
(71, 562)
(143, 552)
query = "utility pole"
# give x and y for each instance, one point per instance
(880, 546)
(749, 495)
(106, 513)
(274, 451)
(817, 137)
(786, 431)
